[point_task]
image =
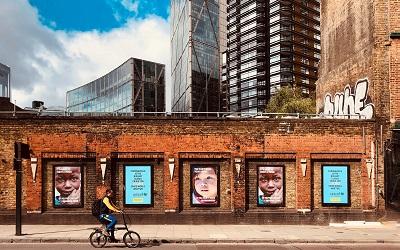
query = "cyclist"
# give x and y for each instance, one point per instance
(106, 208)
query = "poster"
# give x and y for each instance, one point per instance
(270, 186)
(335, 185)
(138, 185)
(68, 186)
(204, 185)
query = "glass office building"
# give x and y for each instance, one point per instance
(271, 44)
(5, 90)
(196, 42)
(135, 86)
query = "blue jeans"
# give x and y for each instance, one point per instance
(111, 221)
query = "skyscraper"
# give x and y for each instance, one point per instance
(196, 44)
(4, 81)
(271, 44)
(135, 86)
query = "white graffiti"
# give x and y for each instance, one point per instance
(347, 105)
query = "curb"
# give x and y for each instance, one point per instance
(205, 241)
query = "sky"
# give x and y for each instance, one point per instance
(53, 46)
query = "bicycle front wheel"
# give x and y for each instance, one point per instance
(131, 239)
(97, 239)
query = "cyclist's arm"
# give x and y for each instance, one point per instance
(110, 206)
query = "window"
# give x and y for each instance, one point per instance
(248, 74)
(275, 48)
(275, 38)
(305, 70)
(248, 26)
(275, 69)
(248, 36)
(232, 73)
(248, 84)
(248, 65)
(275, 58)
(232, 82)
(248, 93)
(305, 60)
(232, 19)
(274, 79)
(273, 9)
(274, 19)
(274, 28)
(249, 7)
(248, 17)
(248, 55)
(248, 46)
(275, 89)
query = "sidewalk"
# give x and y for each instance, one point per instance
(389, 232)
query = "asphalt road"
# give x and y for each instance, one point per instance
(249, 246)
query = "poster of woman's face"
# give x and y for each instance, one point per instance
(204, 185)
(270, 186)
(67, 186)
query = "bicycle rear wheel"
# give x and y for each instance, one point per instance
(97, 239)
(131, 239)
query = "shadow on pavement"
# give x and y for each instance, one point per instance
(61, 231)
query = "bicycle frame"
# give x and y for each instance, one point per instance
(125, 225)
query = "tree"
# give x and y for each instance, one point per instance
(291, 100)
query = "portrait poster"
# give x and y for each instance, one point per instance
(335, 185)
(138, 185)
(271, 186)
(68, 186)
(204, 185)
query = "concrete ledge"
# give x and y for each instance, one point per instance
(207, 241)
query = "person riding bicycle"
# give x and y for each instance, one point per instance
(106, 208)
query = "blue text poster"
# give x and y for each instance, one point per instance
(138, 189)
(335, 187)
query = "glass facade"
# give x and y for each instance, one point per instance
(135, 86)
(4, 81)
(195, 47)
(271, 44)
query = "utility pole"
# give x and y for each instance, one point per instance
(21, 151)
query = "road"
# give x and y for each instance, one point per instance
(248, 246)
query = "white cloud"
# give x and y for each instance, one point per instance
(131, 5)
(46, 63)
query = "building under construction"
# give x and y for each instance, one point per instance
(135, 86)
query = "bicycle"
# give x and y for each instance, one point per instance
(131, 238)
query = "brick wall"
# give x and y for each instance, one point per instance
(155, 141)
(356, 44)
(395, 75)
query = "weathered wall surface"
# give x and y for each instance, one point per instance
(347, 43)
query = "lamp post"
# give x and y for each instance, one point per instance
(21, 151)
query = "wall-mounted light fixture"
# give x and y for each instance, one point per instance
(103, 166)
(303, 163)
(33, 168)
(238, 163)
(171, 165)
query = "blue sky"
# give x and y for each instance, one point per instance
(101, 15)
(53, 46)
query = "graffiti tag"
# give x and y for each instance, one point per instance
(348, 105)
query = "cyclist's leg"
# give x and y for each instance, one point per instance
(105, 218)
(111, 221)
(102, 221)
(111, 226)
